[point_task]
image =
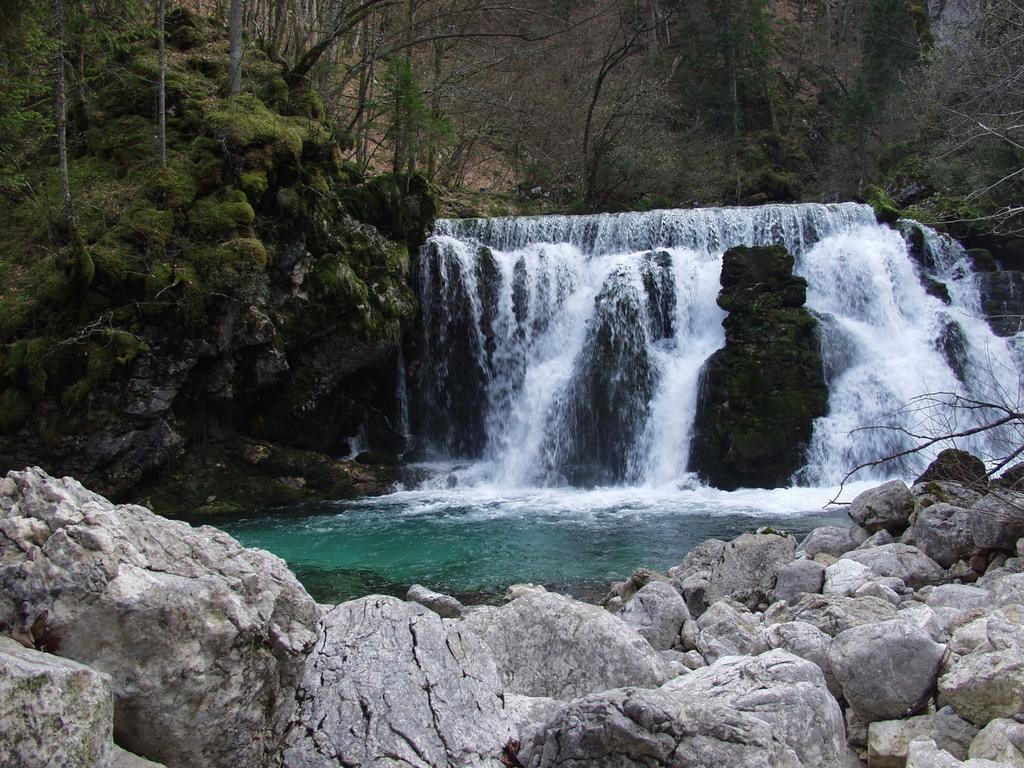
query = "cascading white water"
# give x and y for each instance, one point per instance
(567, 350)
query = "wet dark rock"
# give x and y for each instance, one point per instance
(761, 393)
(1002, 301)
(956, 466)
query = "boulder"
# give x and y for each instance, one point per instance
(53, 711)
(1002, 300)
(785, 691)
(637, 580)
(961, 597)
(203, 639)
(877, 539)
(760, 393)
(830, 539)
(901, 561)
(700, 558)
(1001, 740)
(797, 578)
(524, 712)
(886, 670)
(748, 566)
(1007, 590)
(943, 532)
(693, 587)
(997, 520)
(657, 612)
(888, 507)
(955, 466)
(445, 606)
(844, 577)
(889, 740)
(984, 686)
(833, 614)
(879, 590)
(924, 753)
(632, 727)
(727, 628)
(547, 644)
(999, 630)
(808, 642)
(392, 684)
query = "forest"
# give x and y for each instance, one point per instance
(574, 106)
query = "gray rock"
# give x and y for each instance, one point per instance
(889, 740)
(843, 577)
(633, 727)
(727, 628)
(925, 617)
(637, 580)
(657, 612)
(808, 642)
(551, 645)
(203, 639)
(944, 492)
(124, 759)
(902, 561)
(984, 686)
(887, 670)
(1001, 740)
(701, 558)
(924, 753)
(833, 614)
(1007, 590)
(798, 578)
(445, 606)
(888, 507)
(693, 586)
(997, 520)
(525, 712)
(943, 532)
(958, 596)
(785, 691)
(53, 712)
(515, 591)
(694, 660)
(879, 590)
(877, 539)
(392, 684)
(1000, 630)
(830, 539)
(748, 566)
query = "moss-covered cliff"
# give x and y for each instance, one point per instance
(246, 301)
(761, 392)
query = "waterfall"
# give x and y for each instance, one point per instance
(567, 349)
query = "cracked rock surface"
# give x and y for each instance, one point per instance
(203, 639)
(390, 683)
(551, 645)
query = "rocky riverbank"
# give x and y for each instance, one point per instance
(898, 641)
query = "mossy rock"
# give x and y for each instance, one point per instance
(885, 209)
(245, 122)
(172, 187)
(214, 219)
(254, 184)
(982, 260)
(229, 268)
(146, 227)
(304, 102)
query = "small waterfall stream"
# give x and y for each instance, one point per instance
(567, 350)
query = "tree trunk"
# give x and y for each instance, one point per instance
(60, 108)
(435, 107)
(161, 80)
(235, 49)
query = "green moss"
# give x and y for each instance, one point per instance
(304, 102)
(885, 209)
(214, 219)
(245, 122)
(146, 227)
(230, 267)
(172, 187)
(254, 184)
